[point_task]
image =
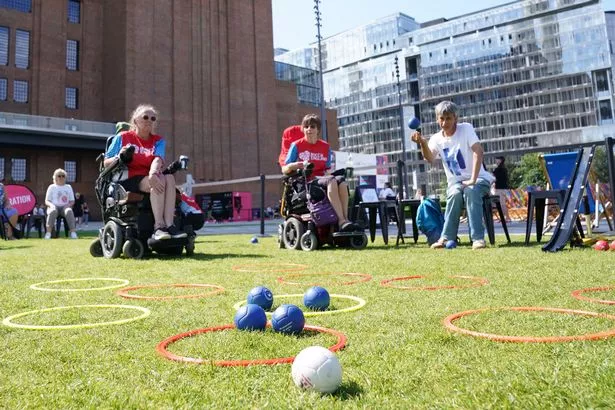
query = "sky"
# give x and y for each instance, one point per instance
(294, 23)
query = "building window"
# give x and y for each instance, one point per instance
(72, 98)
(605, 110)
(72, 55)
(1, 168)
(19, 5)
(71, 171)
(4, 89)
(74, 11)
(20, 91)
(4, 45)
(22, 49)
(18, 169)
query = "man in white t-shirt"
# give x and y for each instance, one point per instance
(59, 200)
(462, 156)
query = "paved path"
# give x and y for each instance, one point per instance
(271, 228)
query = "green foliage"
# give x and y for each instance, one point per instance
(399, 355)
(528, 172)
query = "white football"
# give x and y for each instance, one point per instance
(317, 368)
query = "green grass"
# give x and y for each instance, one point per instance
(399, 354)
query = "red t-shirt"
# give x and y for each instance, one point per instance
(145, 151)
(290, 135)
(319, 154)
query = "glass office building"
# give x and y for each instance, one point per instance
(529, 75)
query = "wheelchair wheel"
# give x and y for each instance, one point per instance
(309, 241)
(133, 248)
(293, 229)
(96, 249)
(358, 241)
(112, 239)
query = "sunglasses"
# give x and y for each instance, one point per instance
(61, 176)
(147, 117)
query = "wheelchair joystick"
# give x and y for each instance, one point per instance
(126, 156)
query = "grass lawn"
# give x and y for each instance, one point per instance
(399, 354)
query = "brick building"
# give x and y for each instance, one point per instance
(206, 65)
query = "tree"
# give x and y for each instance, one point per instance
(599, 164)
(528, 172)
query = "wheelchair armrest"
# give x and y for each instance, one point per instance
(339, 173)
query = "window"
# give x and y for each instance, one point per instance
(74, 11)
(4, 89)
(24, 6)
(1, 168)
(4, 45)
(72, 98)
(71, 171)
(22, 49)
(18, 169)
(72, 55)
(605, 110)
(20, 91)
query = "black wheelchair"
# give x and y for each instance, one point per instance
(301, 229)
(128, 218)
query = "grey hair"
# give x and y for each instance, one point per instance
(56, 173)
(138, 112)
(446, 107)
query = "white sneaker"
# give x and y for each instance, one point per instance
(160, 235)
(48, 235)
(479, 244)
(73, 235)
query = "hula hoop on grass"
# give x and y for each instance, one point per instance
(448, 323)
(477, 282)
(162, 347)
(364, 278)
(577, 295)
(36, 286)
(270, 267)
(124, 292)
(308, 313)
(8, 321)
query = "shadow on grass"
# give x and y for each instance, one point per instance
(16, 247)
(349, 390)
(212, 256)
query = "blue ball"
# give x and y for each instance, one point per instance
(261, 296)
(316, 298)
(288, 319)
(250, 317)
(254, 239)
(414, 123)
(451, 244)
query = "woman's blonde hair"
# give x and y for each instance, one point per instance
(57, 172)
(138, 112)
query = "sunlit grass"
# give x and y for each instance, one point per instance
(399, 354)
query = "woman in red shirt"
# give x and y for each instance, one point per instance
(311, 149)
(145, 169)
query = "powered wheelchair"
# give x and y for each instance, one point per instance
(310, 224)
(128, 218)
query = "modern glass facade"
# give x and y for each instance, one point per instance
(306, 80)
(529, 75)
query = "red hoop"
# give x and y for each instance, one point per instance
(364, 278)
(477, 282)
(577, 295)
(162, 347)
(448, 323)
(267, 267)
(124, 291)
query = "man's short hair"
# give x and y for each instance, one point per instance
(446, 107)
(500, 158)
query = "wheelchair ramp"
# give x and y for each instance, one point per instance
(569, 212)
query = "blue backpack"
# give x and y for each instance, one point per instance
(430, 219)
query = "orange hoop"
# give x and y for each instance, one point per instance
(364, 278)
(477, 282)
(162, 347)
(448, 323)
(124, 291)
(577, 295)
